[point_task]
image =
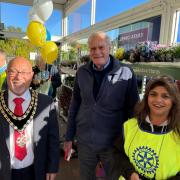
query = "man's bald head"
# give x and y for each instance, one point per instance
(19, 75)
(22, 62)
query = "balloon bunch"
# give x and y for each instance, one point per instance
(38, 34)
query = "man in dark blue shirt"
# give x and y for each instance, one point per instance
(104, 96)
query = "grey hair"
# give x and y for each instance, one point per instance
(99, 34)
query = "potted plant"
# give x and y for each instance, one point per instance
(176, 53)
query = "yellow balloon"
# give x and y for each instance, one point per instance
(49, 52)
(120, 53)
(36, 33)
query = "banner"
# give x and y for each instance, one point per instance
(154, 69)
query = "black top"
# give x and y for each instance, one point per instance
(99, 76)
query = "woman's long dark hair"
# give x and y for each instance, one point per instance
(142, 108)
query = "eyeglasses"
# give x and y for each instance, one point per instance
(15, 73)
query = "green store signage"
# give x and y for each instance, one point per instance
(154, 69)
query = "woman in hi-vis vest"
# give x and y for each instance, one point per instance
(150, 146)
(3, 67)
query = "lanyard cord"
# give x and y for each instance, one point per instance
(162, 141)
(133, 138)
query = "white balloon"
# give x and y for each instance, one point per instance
(34, 17)
(44, 9)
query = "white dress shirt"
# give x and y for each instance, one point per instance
(29, 158)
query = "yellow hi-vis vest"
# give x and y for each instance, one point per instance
(153, 155)
(2, 78)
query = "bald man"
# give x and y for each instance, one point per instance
(3, 67)
(29, 135)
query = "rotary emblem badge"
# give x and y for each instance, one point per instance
(146, 160)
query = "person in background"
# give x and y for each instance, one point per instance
(104, 95)
(47, 75)
(150, 148)
(29, 133)
(3, 67)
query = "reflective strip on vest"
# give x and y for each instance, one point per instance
(153, 155)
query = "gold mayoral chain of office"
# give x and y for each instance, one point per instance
(16, 122)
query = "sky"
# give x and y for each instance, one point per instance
(106, 9)
(178, 34)
(17, 15)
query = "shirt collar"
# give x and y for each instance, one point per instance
(165, 123)
(26, 96)
(108, 62)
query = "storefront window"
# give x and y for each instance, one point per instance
(128, 36)
(146, 30)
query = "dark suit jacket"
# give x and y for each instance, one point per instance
(45, 136)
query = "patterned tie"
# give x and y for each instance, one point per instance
(19, 138)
